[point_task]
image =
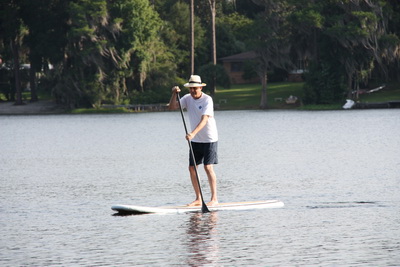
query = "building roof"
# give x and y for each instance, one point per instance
(240, 57)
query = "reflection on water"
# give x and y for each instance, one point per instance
(202, 239)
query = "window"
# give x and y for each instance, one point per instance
(236, 66)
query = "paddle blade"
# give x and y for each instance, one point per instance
(204, 208)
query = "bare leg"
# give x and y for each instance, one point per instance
(195, 184)
(212, 180)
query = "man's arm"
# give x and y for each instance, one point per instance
(173, 102)
(202, 123)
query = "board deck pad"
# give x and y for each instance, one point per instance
(248, 205)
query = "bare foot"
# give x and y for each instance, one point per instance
(212, 203)
(194, 203)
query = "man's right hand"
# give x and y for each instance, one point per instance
(176, 89)
(173, 103)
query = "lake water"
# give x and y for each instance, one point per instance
(338, 173)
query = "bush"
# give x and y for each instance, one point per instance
(324, 85)
(207, 73)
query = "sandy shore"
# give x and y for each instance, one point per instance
(39, 107)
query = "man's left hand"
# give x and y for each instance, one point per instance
(189, 136)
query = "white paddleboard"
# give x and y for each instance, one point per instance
(131, 209)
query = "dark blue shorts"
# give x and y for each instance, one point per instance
(206, 153)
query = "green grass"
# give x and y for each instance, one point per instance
(389, 93)
(248, 96)
(26, 95)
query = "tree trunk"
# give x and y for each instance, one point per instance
(142, 78)
(264, 79)
(191, 37)
(32, 81)
(213, 33)
(213, 45)
(18, 92)
(349, 86)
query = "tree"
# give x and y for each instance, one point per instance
(390, 42)
(110, 49)
(176, 35)
(213, 44)
(191, 37)
(13, 31)
(234, 34)
(351, 34)
(139, 27)
(81, 74)
(272, 44)
(45, 20)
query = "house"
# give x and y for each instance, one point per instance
(234, 66)
(296, 75)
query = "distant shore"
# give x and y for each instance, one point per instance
(43, 107)
(31, 108)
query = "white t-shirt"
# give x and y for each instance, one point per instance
(196, 109)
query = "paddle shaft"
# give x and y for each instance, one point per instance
(204, 207)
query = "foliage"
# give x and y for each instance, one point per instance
(350, 34)
(124, 51)
(175, 34)
(247, 96)
(207, 73)
(325, 85)
(239, 24)
(273, 44)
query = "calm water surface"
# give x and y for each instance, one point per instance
(338, 173)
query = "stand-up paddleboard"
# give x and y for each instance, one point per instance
(131, 209)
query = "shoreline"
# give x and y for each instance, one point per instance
(49, 107)
(31, 108)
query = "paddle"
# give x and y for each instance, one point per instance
(204, 208)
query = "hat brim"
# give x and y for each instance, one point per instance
(194, 84)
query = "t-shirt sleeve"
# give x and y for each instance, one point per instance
(184, 101)
(209, 108)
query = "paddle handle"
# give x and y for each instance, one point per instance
(204, 207)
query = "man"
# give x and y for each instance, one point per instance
(203, 135)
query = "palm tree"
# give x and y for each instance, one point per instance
(191, 37)
(213, 43)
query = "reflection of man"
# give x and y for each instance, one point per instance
(204, 134)
(203, 242)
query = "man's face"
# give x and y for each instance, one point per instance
(195, 92)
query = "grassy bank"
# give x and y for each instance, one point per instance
(248, 96)
(390, 93)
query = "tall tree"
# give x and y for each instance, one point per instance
(272, 43)
(213, 12)
(177, 36)
(45, 20)
(81, 75)
(13, 31)
(191, 37)
(109, 43)
(139, 28)
(390, 42)
(344, 42)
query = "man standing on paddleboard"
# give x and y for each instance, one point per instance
(203, 135)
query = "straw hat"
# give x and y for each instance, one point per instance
(194, 81)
